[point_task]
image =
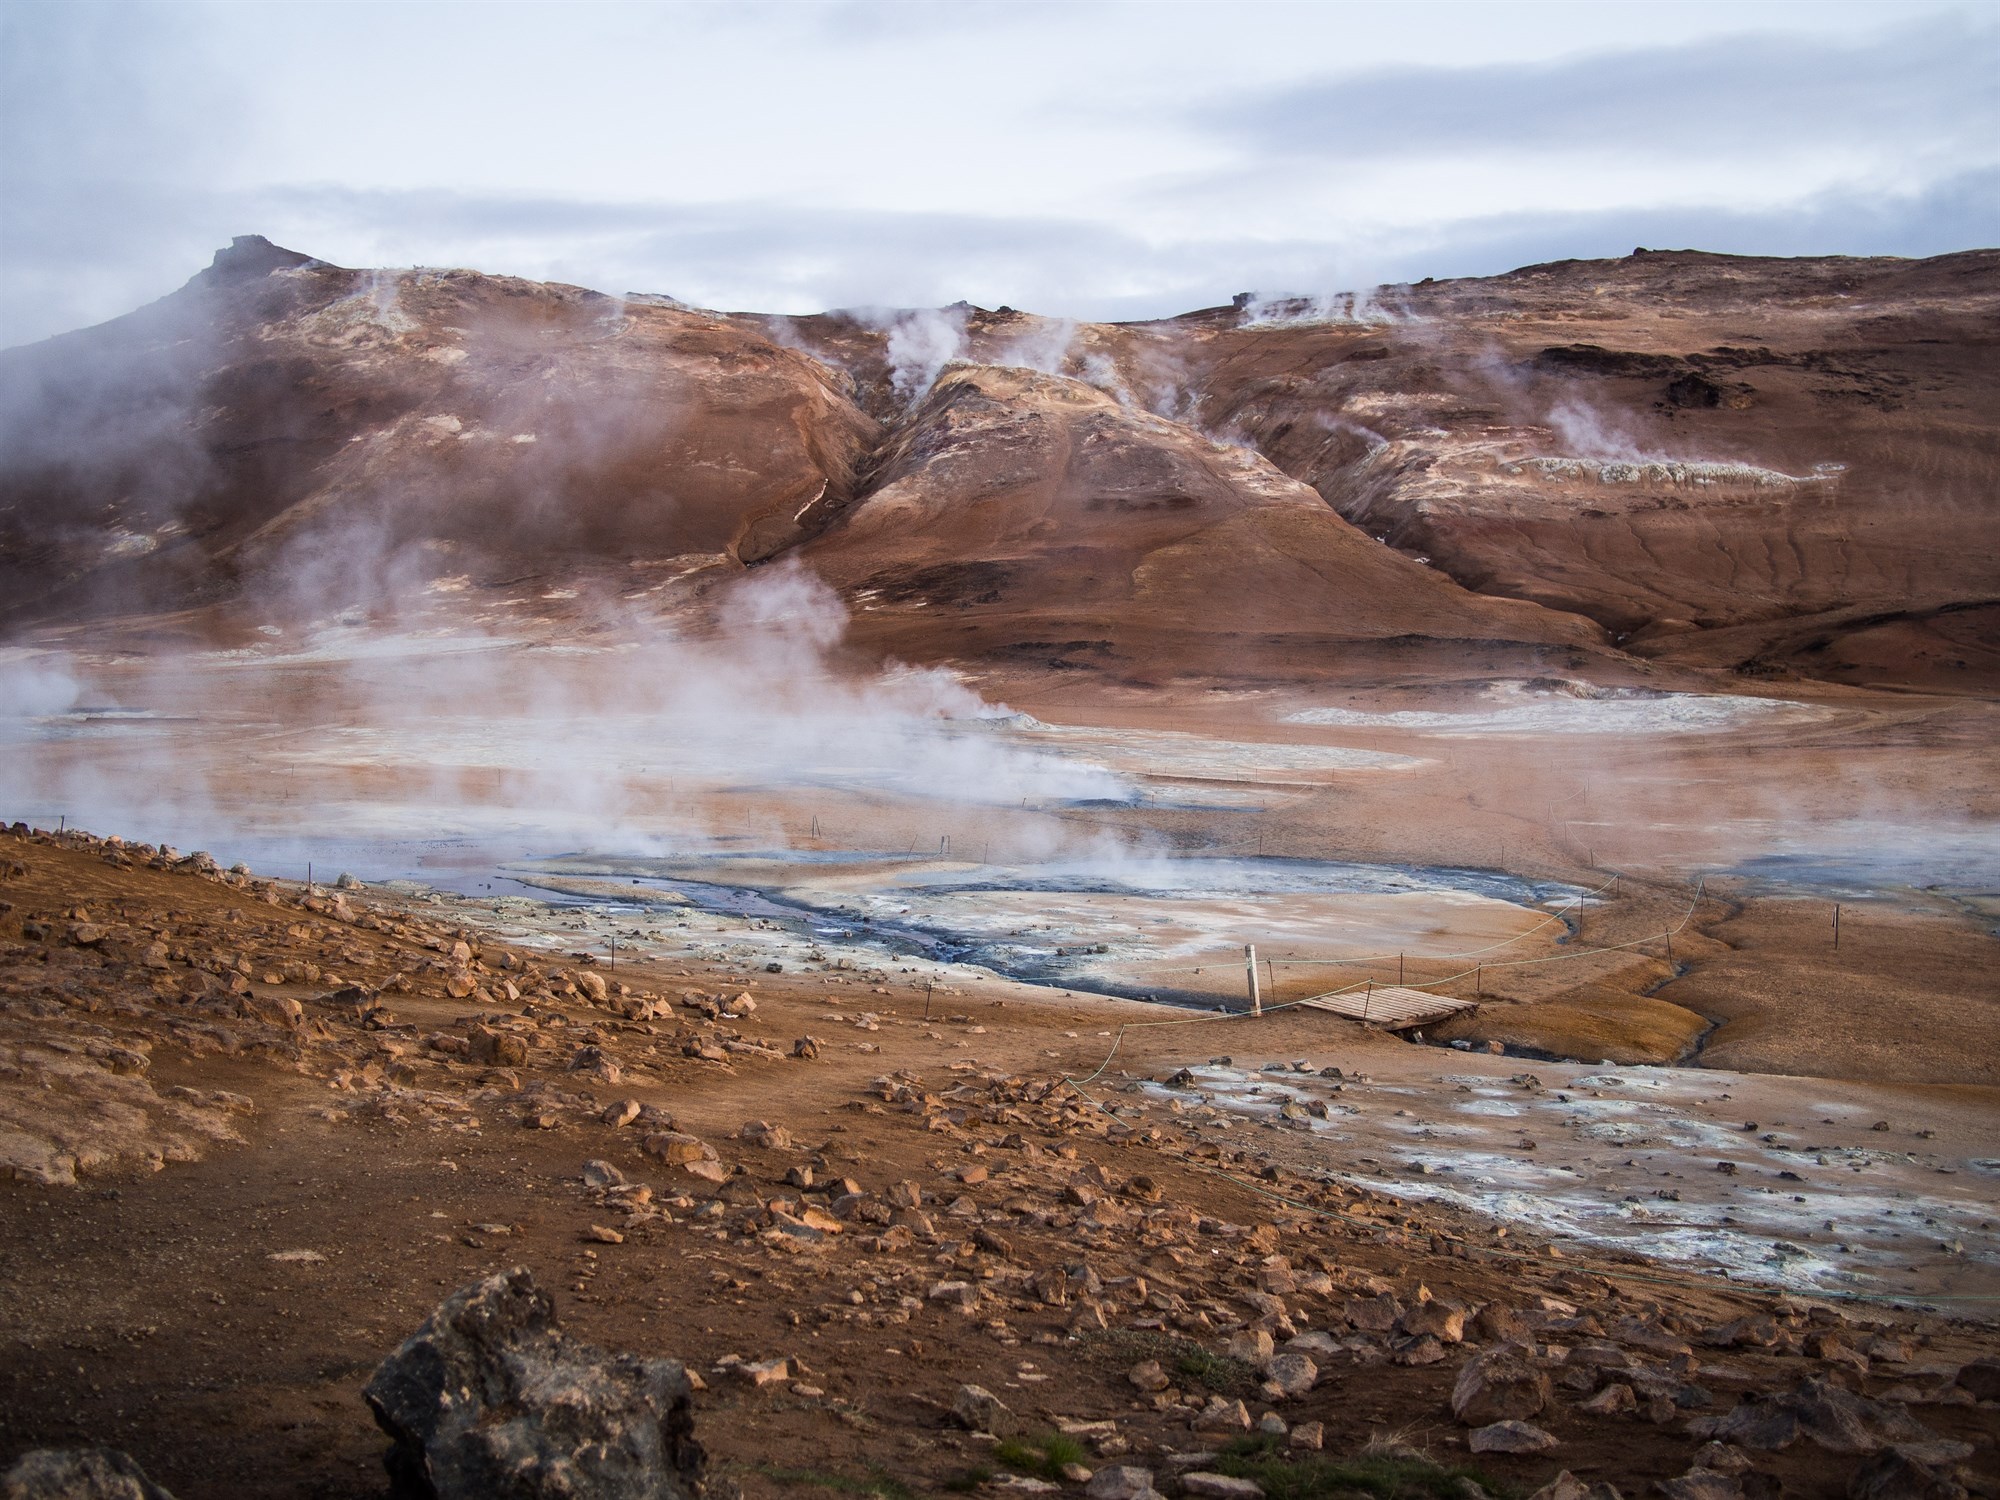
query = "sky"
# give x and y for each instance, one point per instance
(1090, 159)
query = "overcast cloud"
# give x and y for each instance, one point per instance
(1089, 160)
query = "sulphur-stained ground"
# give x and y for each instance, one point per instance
(256, 1133)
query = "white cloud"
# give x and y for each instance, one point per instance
(1083, 160)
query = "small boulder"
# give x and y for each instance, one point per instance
(1982, 1378)
(1701, 1484)
(1614, 1400)
(1201, 1485)
(490, 1397)
(1148, 1376)
(1566, 1486)
(1443, 1321)
(1223, 1415)
(1292, 1374)
(979, 1410)
(1500, 1385)
(1121, 1482)
(1510, 1437)
(1253, 1346)
(676, 1149)
(1902, 1473)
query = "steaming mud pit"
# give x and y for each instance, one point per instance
(1153, 928)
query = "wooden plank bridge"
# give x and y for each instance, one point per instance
(1390, 1006)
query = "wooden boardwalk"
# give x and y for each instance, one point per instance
(1391, 1007)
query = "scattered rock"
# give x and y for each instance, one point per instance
(1292, 1374)
(1614, 1400)
(676, 1149)
(1566, 1486)
(1498, 1386)
(78, 1474)
(1253, 1346)
(1200, 1485)
(1701, 1484)
(1510, 1437)
(1722, 1458)
(1443, 1321)
(1148, 1376)
(1497, 1323)
(1901, 1473)
(979, 1410)
(763, 1133)
(1982, 1378)
(623, 1113)
(1122, 1482)
(758, 1373)
(490, 1398)
(1835, 1419)
(1308, 1437)
(1223, 1415)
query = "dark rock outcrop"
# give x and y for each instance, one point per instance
(78, 1474)
(490, 1400)
(1835, 1419)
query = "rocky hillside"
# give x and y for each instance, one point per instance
(1769, 466)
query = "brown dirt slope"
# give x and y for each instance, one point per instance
(906, 1209)
(334, 434)
(1014, 504)
(1769, 464)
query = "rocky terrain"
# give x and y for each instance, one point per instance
(876, 1237)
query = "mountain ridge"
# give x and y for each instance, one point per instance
(1775, 467)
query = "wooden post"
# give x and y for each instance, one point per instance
(1399, 968)
(1250, 968)
(1479, 981)
(1670, 948)
(1836, 926)
(927, 999)
(1367, 999)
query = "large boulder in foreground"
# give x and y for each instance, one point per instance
(78, 1474)
(490, 1400)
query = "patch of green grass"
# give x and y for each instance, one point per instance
(1042, 1456)
(1384, 1476)
(1216, 1372)
(1185, 1358)
(878, 1485)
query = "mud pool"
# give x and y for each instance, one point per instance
(1827, 1188)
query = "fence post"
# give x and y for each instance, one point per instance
(1250, 968)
